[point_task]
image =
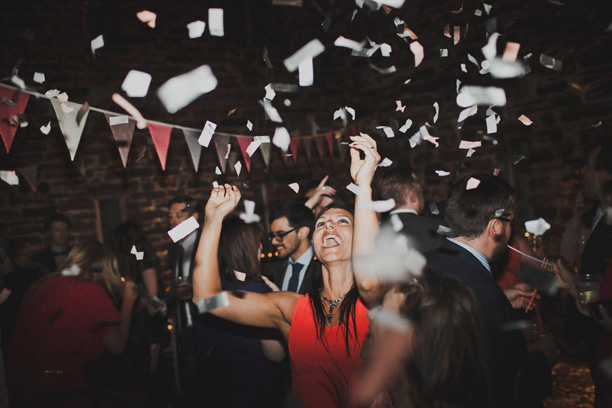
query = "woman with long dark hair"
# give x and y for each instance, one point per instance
(326, 327)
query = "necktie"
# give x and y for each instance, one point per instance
(295, 277)
(180, 252)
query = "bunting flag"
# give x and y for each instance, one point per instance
(161, 139)
(330, 143)
(294, 145)
(307, 143)
(195, 149)
(66, 113)
(320, 145)
(244, 143)
(221, 143)
(265, 152)
(20, 99)
(342, 149)
(123, 133)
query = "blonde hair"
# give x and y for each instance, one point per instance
(96, 263)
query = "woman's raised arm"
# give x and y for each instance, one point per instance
(250, 308)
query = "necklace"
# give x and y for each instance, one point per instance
(332, 304)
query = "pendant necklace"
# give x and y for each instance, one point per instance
(332, 304)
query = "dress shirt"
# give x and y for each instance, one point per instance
(304, 260)
(479, 255)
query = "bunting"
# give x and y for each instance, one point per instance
(20, 99)
(123, 133)
(195, 149)
(221, 143)
(330, 143)
(265, 152)
(67, 113)
(307, 143)
(294, 145)
(161, 139)
(320, 145)
(244, 143)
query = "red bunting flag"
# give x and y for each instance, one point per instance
(330, 143)
(294, 144)
(20, 99)
(244, 143)
(161, 139)
(123, 131)
(307, 142)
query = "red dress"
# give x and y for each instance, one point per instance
(59, 328)
(320, 376)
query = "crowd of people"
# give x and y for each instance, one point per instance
(399, 310)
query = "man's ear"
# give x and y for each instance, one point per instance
(495, 228)
(303, 233)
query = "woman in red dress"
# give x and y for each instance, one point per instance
(67, 320)
(326, 327)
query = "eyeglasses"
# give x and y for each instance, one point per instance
(504, 217)
(279, 235)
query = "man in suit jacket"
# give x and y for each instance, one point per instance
(479, 218)
(291, 227)
(404, 188)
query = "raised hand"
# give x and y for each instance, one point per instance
(223, 200)
(362, 170)
(321, 190)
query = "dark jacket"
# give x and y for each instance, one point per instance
(280, 269)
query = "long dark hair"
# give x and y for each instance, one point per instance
(448, 362)
(239, 248)
(348, 305)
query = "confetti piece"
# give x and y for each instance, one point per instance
(295, 187)
(216, 302)
(346, 43)
(447, 31)
(491, 124)
(63, 97)
(118, 120)
(74, 270)
(464, 68)
(433, 140)
(232, 111)
(385, 163)
(525, 120)
(539, 226)
(183, 229)
(470, 152)
(380, 206)
(442, 173)
(550, 62)
(478, 12)
(444, 53)
(472, 183)
(353, 189)
(390, 320)
(241, 276)
(46, 128)
(217, 171)
(433, 208)
(270, 94)
(139, 255)
(207, 133)
(406, 126)
(417, 50)
(477, 95)
(437, 107)
(444, 230)
(388, 131)
(385, 49)
(196, 28)
(262, 139)
(249, 215)
(52, 93)
(96, 44)
(147, 17)
(249, 125)
(271, 111)
(141, 123)
(351, 111)
(180, 91)
(39, 77)
(306, 72)
(400, 107)
(9, 177)
(391, 3)
(511, 51)
(487, 7)
(253, 146)
(466, 144)
(281, 138)
(238, 167)
(136, 84)
(215, 22)
(515, 325)
(490, 49)
(467, 112)
(507, 69)
(310, 50)
(456, 35)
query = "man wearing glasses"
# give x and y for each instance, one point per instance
(291, 227)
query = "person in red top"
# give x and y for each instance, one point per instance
(67, 319)
(326, 327)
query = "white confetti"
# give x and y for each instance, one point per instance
(310, 50)
(241, 276)
(487, 7)
(295, 187)
(136, 84)
(400, 107)
(464, 68)
(353, 189)
(52, 93)
(550, 62)
(391, 3)
(538, 227)
(207, 133)
(39, 77)
(180, 91)
(262, 139)
(196, 28)
(385, 50)
(491, 124)
(249, 125)
(215, 22)
(214, 183)
(381, 206)
(217, 171)
(477, 95)
(147, 17)
(183, 229)
(442, 173)
(388, 131)
(249, 215)
(467, 112)
(525, 120)
(270, 94)
(385, 162)
(9, 177)
(252, 148)
(417, 50)
(472, 183)
(351, 111)
(96, 44)
(271, 111)
(346, 43)
(470, 152)
(437, 107)
(281, 138)
(444, 53)
(139, 255)
(118, 120)
(306, 72)
(206, 305)
(46, 128)
(507, 69)
(406, 126)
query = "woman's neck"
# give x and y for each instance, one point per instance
(337, 279)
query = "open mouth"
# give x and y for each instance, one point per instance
(331, 241)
